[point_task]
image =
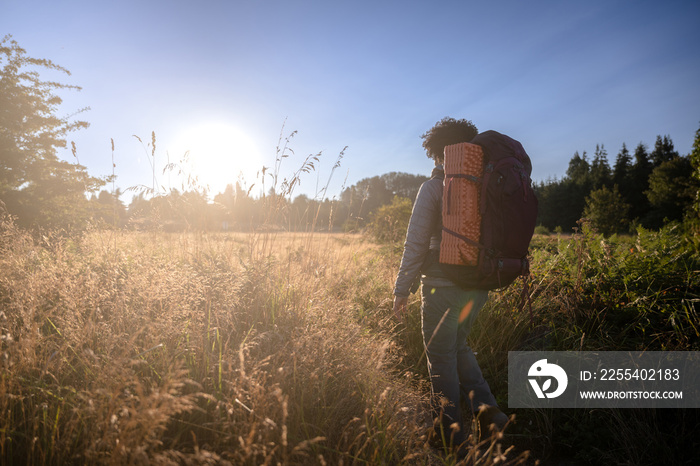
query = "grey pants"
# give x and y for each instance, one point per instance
(447, 317)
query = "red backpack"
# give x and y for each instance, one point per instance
(493, 254)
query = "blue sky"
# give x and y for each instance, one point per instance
(222, 78)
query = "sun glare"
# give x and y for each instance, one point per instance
(218, 154)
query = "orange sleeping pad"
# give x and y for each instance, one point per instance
(460, 203)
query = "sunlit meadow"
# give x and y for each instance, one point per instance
(274, 347)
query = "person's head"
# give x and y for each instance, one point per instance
(445, 132)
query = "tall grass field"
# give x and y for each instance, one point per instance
(280, 348)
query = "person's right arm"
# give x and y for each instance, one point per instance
(424, 218)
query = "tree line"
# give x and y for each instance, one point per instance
(647, 188)
(236, 210)
(643, 188)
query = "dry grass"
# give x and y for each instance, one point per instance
(204, 349)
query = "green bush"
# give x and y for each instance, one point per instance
(389, 222)
(607, 210)
(592, 293)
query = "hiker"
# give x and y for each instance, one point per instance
(447, 311)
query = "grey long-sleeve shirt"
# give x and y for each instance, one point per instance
(424, 233)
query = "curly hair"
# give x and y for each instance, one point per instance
(445, 132)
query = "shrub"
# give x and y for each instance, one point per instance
(592, 293)
(607, 211)
(389, 222)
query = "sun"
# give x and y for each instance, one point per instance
(218, 154)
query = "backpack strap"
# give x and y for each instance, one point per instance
(464, 238)
(471, 178)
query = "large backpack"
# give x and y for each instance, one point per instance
(505, 205)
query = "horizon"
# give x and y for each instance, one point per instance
(226, 81)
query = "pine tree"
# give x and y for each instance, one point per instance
(622, 174)
(639, 184)
(600, 168)
(695, 162)
(642, 165)
(672, 190)
(561, 204)
(623, 167)
(663, 151)
(579, 169)
(572, 191)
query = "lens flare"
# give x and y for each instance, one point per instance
(466, 310)
(219, 153)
